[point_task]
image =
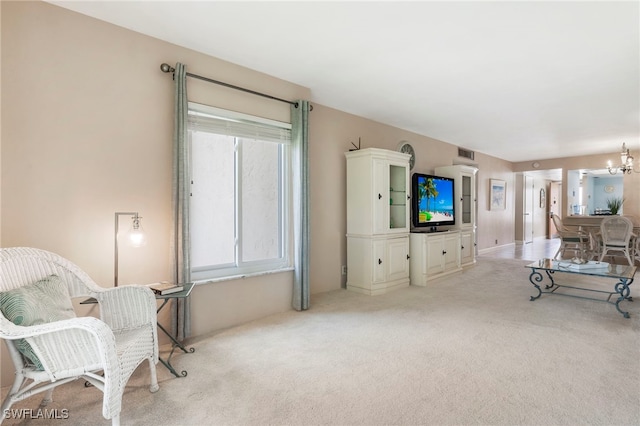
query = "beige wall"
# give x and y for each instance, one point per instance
(495, 227)
(88, 127)
(86, 131)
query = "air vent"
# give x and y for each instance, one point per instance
(466, 153)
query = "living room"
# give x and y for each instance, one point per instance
(87, 124)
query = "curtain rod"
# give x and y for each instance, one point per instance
(168, 68)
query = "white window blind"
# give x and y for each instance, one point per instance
(212, 120)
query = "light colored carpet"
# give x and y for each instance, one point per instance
(469, 349)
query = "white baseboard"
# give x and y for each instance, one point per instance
(490, 249)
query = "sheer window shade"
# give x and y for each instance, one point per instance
(205, 118)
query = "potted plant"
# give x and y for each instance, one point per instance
(615, 204)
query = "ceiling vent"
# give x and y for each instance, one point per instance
(465, 153)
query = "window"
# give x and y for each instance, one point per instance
(240, 193)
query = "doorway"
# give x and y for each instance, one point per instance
(533, 206)
(528, 210)
(554, 207)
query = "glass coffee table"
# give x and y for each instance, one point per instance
(622, 275)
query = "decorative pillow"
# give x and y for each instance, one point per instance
(44, 301)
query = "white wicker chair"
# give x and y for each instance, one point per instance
(573, 240)
(616, 233)
(104, 352)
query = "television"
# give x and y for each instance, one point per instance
(433, 201)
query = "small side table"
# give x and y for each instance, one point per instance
(175, 343)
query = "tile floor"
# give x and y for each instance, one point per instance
(540, 248)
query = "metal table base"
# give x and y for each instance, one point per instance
(624, 275)
(174, 342)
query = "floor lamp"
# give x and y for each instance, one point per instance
(135, 237)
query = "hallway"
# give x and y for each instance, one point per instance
(538, 249)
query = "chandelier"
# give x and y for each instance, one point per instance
(626, 161)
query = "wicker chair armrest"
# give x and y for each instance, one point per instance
(68, 347)
(10, 331)
(574, 234)
(127, 307)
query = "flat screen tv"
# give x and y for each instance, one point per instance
(433, 201)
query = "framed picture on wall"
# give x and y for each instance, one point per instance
(543, 198)
(498, 194)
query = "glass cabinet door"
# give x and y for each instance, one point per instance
(467, 203)
(398, 197)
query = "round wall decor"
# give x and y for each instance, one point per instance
(406, 148)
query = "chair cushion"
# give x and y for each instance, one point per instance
(575, 239)
(44, 301)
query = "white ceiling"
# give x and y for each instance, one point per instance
(516, 80)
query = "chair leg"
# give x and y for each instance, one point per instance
(154, 377)
(48, 397)
(555, 257)
(8, 400)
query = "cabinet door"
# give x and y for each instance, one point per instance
(399, 205)
(381, 197)
(467, 210)
(465, 191)
(379, 261)
(466, 247)
(451, 251)
(397, 258)
(435, 255)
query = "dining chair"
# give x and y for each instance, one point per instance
(575, 240)
(616, 235)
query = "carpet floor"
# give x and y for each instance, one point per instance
(469, 349)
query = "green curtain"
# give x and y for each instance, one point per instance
(300, 174)
(181, 308)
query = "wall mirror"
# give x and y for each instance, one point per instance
(589, 189)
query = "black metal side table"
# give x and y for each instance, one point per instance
(175, 343)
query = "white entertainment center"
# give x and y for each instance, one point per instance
(377, 220)
(383, 251)
(435, 254)
(465, 190)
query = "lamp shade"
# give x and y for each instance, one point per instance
(136, 236)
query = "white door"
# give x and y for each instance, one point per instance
(555, 206)
(435, 255)
(528, 209)
(379, 261)
(397, 258)
(451, 251)
(380, 197)
(466, 247)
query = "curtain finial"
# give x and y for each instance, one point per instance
(167, 68)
